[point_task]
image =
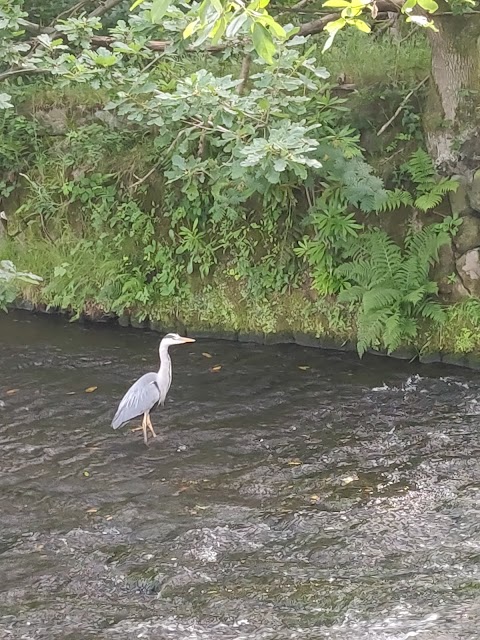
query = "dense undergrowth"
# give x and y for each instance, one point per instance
(173, 194)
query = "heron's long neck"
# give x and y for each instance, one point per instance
(165, 371)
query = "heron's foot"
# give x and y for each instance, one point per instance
(154, 435)
(150, 426)
(136, 429)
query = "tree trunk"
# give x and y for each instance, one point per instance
(452, 115)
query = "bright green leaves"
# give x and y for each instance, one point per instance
(348, 16)
(5, 101)
(215, 20)
(9, 281)
(428, 5)
(158, 10)
(263, 42)
(332, 29)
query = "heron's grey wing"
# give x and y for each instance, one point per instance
(142, 396)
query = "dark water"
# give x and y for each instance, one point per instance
(339, 501)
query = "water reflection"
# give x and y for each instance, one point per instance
(335, 501)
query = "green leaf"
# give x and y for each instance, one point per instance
(361, 25)
(429, 5)
(136, 4)
(263, 43)
(280, 165)
(5, 101)
(336, 3)
(217, 5)
(158, 10)
(332, 28)
(236, 24)
(409, 5)
(276, 28)
(191, 28)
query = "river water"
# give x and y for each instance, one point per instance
(293, 493)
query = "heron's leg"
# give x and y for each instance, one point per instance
(144, 426)
(141, 428)
(150, 425)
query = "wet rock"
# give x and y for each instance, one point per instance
(474, 195)
(459, 202)
(26, 305)
(404, 353)
(54, 120)
(472, 361)
(468, 267)
(138, 324)
(157, 326)
(468, 236)
(377, 352)
(430, 358)
(279, 338)
(124, 320)
(456, 359)
(215, 334)
(257, 338)
(307, 340)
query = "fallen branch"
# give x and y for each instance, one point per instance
(402, 104)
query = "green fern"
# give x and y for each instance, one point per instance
(395, 199)
(420, 168)
(430, 189)
(391, 287)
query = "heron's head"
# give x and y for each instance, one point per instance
(173, 338)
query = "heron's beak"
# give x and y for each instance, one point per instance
(184, 340)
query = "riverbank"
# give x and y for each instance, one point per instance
(299, 337)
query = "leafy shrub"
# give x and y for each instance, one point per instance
(9, 281)
(392, 287)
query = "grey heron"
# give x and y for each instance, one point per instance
(149, 390)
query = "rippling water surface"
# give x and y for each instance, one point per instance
(293, 493)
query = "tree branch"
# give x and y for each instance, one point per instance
(402, 104)
(13, 73)
(309, 28)
(104, 7)
(244, 73)
(71, 10)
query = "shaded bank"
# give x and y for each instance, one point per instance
(302, 338)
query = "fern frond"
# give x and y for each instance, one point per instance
(358, 272)
(429, 200)
(380, 299)
(433, 311)
(409, 328)
(352, 294)
(426, 244)
(415, 296)
(447, 185)
(395, 199)
(370, 330)
(392, 336)
(386, 255)
(420, 168)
